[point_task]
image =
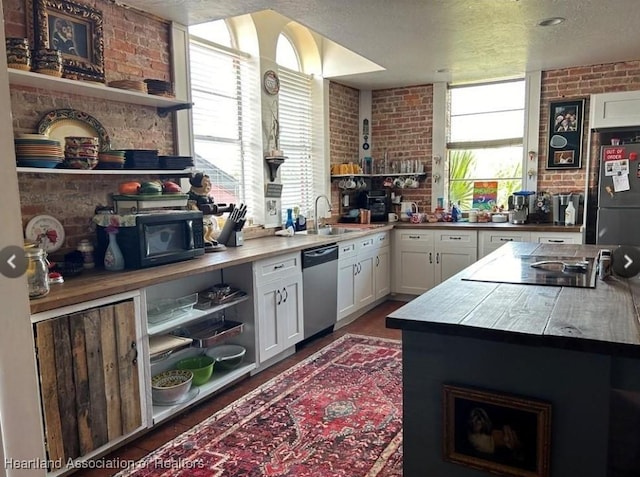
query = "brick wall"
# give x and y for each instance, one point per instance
(344, 141)
(577, 83)
(401, 124)
(136, 47)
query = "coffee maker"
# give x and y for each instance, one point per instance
(560, 203)
(519, 205)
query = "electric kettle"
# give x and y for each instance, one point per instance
(406, 209)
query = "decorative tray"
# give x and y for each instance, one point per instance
(60, 123)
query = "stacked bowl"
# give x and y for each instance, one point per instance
(18, 54)
(37, 150)
(81, 152)
(111, 160)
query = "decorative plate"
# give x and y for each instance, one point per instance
(60, 123)
(46, 231)
(271, 82)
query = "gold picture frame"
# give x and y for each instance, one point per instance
(498, 433)
(75, 29)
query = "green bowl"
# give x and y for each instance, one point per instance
(200, 366)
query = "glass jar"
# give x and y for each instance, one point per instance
(37, 272)
(86, 248)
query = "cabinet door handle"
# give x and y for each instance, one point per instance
(286, 295)
(277, 267)
(279, 297)
(502, 239)
(437, 257)
(414, 237)
(430, 258)
(134, 347)
(378, 261)
(355, 269)
(556, 240)
(455, 238)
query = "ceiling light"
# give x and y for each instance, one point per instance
(551, 21)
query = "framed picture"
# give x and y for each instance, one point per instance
(498, 433)
(565, 134)
(73, 28)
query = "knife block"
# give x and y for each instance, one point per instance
(230, 237)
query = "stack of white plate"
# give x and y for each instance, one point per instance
(37, 150)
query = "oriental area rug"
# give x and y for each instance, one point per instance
(337, 413)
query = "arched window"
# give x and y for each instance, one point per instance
(225, 114)
(300, 174)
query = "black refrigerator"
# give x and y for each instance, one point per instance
(618, 218)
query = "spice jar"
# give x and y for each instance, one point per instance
(37, 272)
(86, 248)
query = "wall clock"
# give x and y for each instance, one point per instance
(271, 82)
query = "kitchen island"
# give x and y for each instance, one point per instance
(575, 348)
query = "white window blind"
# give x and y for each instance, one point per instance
(226, 124)
(300, 172)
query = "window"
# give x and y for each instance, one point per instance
(486, 136)
(225, 114)
(299, 173)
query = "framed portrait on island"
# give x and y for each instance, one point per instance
(74, 29)
(566, 120)
(495, 432)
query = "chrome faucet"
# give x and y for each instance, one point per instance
(315, 211)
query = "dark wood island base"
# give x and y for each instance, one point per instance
(577, 349)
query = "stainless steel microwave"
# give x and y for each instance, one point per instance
(157, 238)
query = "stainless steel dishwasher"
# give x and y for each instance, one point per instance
(320, 289)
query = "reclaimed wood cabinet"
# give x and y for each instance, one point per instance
(89, 378)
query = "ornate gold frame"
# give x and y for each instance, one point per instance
(86, 66)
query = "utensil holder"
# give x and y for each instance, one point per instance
(230, 237)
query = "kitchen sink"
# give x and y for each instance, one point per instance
(331, 231)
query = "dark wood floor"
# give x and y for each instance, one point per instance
(371, 324)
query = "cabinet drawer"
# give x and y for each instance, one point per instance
(381, 239)
(418, 237)
(500, 238)
(366, 244)
(275, 268)
(455, 238)
(557, 237)
(347, 249)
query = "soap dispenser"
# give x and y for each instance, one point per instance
(570, 214)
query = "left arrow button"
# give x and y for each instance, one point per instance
(13, 262)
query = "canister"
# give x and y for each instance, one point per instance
(37, 272)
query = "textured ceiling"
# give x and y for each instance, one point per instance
(472, 39)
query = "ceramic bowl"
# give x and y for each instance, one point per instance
(80, 163)
(171, 386)
(227, 356)
(200, 366)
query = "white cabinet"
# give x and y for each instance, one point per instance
(413, 261)
(383, 272)
(556, 237)
(424, 258)
(347, 259)
(490, 240)
(455, 251)
(614, 110)
(363, 272)
(278, 307)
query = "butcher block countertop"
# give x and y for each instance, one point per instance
(604, 319)
(100, 283)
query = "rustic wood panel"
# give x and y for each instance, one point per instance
(110, 370)
(49, 390)
(81, 378)
(66, 387)
(128, 366)
(98, 402)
